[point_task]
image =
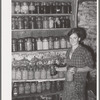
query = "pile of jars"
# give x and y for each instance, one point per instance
(40, 43)
(41, 7)
(44, 22)
(36, 73)
(27, 88)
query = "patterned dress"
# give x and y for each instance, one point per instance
(75, 90)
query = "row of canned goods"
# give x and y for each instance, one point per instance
(24, 73)
(41, 7)
(26, 88)
(42, 97)
(40, 22)
(40, 43)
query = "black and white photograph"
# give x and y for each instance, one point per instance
(52, 49)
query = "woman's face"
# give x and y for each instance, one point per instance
(74, 39)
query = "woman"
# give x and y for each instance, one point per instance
(81, 58)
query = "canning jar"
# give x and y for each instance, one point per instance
(17, 8)
(45, 23)
(62, 42)
(56, 43)
(32, 8)
(27, 88)
(50, 42)
(39, 44)
(45, 44)
(28, 44)
(20, 44)
(14, 45)
(24, 8)
(51, 22)
(21, 89)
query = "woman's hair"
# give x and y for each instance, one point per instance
(81, 33)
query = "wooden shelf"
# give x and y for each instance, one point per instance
(41, 14)
(39, 51)
(37, 95)
(39, 80)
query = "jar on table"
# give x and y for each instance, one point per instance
(34, 46)
(45, 23)
(28, 44)
(20, 44)
(32, 8)
(27, 88)
(18, 73)
(13, 73)
(21, 89)
(56, 43)
(62, 42)
(15, 89)
(14, 45)
(24, 8)
(70, 73)
(51, 22)
(17, 8)
(39, 44)
(45, 44)
(33, 87)
(39, 23)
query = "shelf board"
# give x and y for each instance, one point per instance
(37, 95)
(40, 29)
(41, 14)
(39, 80)
(39, 51)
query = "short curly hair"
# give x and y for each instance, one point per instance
(81, 33)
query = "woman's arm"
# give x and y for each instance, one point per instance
(84, 69)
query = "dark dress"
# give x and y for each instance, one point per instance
(75, 90)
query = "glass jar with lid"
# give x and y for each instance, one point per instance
(50, 42)
(21, 88)
(34, 46)
(17, 7)
(27, 88)
(33, 88)
(58, 7)
(39, 88)
(39, 23)
(14, 45)
(45, 23)
(45, 43)
(24, 7)
(39, 43)
(32, 8)
(20, 44)
(62, 42)
(56, 43)
(51, 22)
(28, 44)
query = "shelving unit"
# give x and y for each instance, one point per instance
(22, 33)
